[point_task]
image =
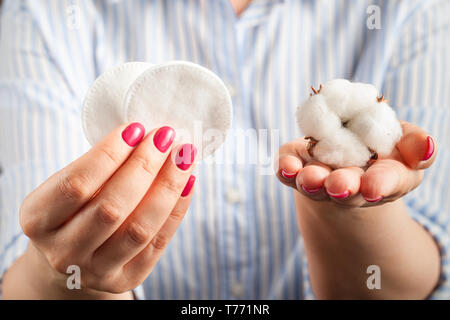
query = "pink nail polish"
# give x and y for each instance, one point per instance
(185, 156)
(339, 195)
(187, 189)
(430, 149)
(133, 134)
(311, 191)
(163, 138)
(288, 175)
(373, 200)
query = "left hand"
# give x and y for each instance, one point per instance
(386, 179)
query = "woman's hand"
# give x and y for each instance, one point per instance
(342, 237)
(111, 212)
(385, 180)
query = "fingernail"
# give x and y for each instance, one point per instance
(339, 195)
(185, 156)
(187, 189)
(373, 200)
(288, 175)
(311, 191)
(163, 138)
(430, 149)
(133, 134)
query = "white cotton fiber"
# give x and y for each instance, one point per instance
(183, 95)
(363, 96)
(348, 123)
(339, 148)
(316, 119)
(336, 94)
(377, 127)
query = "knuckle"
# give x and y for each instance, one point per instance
(74, 187)
(108, 212)
(146, 164)
(110, 154)
(177, 215)
(172, 186)
(138, 233)
(159, 242)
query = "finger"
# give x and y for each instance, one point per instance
(388, 179)
(289, 168)
(342, 184)
(65, 192)
(120, 195)
(140, 266)
(417, 147)
(310, 181)
(289, 161)
(148, 218)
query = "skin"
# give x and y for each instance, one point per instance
(111, 212)
(239, 6)
(344, 236)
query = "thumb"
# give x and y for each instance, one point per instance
(417, 147)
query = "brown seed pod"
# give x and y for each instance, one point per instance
(315, 90)
(311, 144)
(382, 99)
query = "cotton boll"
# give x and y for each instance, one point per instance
(377, 127)
(315, 119)
(343, 149)
(347, 123)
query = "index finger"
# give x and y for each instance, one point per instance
(66, 191)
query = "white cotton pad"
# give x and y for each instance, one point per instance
(188, 97)
(102, 107)
(348, 124)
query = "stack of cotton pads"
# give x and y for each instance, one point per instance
(348, 124)
(188, 97)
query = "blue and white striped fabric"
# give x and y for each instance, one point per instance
(240, 238)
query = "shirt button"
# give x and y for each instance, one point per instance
(233, 195)
(237, 290)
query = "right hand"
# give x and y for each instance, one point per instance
(112, 211)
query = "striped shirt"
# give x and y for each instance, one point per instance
(240, 238)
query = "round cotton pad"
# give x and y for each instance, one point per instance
(188, 97)
(102, 105)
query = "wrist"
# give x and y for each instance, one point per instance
(33, 278)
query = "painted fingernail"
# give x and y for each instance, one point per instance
(373, 200)
(187, 189)
(339, 195)
(133, 134)
(185, 156)
(311, 191)
(163, 138)
(430, 148)
(288, 175)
